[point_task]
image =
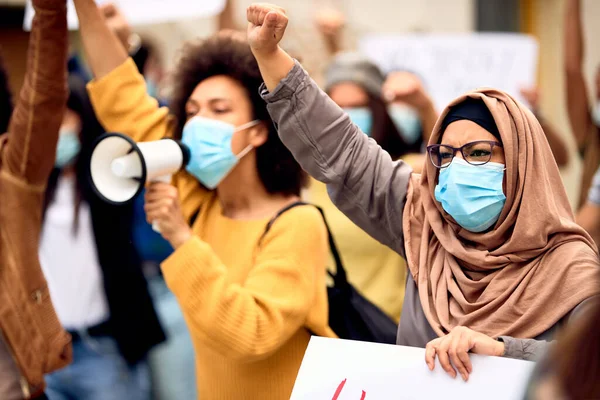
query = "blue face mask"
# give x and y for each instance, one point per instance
(407, 122)
(152, 88)
(67, 148)
(472, 194)
(362, 117)
(209, 141)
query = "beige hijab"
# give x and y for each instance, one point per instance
(530, 270)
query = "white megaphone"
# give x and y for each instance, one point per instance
(120, 167)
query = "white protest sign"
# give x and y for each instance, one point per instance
(335, 369)
(140, 12)
(453, 64)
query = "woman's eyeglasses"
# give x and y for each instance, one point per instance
(475, 153)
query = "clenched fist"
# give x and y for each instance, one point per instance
(266, 26)
(163, 209)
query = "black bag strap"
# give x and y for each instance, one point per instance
(339, 277)
(194, 216)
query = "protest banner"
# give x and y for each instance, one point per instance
(453, 64)
(335, 369)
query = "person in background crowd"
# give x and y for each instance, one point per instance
(94, 274)
(570, 370)
(358, 86)
(589, 215)
(32, 341)
(556, 142)
(497, 264)
(250, 311)
(583, 117)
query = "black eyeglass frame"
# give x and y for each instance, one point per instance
(431, 147)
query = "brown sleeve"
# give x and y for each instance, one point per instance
(33, 130)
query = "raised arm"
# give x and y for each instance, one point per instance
(33, 130)
(362, 179)
(406, 87)
(118, 91)
(555, 139)
(104, 51)
(578, 106)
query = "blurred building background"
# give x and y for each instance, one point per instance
(541, 18)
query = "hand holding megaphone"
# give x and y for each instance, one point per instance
(163, 209)
(120, 168)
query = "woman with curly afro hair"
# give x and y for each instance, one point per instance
(251, 296)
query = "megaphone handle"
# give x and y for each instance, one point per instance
(163, 179)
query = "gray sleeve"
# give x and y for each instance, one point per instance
(524, 349)
(594, 193)
(534, 350)
(362, 180)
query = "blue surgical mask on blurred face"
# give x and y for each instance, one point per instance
(151, 88)
(472, 194)
(362, 117)
(67, 148)
(209, 141)
(407, 122)
(596, 114)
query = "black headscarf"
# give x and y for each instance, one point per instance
(473, 110)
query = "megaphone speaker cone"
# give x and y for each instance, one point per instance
(123, 186)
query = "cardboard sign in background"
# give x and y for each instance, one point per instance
(453, 64)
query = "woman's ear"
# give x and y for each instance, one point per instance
(258, 135)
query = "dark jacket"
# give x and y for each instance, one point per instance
(132, 316)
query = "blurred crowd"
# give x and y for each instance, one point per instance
(453, 224)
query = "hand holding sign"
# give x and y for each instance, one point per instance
(455, 347)
(266, 26)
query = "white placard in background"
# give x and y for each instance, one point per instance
(335, 369)
(453, 64)
(141, 12)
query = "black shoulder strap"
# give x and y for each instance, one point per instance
(194, 217)
(340, 275)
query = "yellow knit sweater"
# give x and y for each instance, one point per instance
(248, 305)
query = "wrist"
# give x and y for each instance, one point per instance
(500, 348)
(266, 55)
(425, 107)
(133, 44)
(180, 238)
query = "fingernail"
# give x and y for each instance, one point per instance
(465, 377)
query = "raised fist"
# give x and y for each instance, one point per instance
(330, 22)
(116, 22)
(406, 87)
(531, 96)
(266, 26)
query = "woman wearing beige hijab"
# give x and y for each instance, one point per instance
(497, 263)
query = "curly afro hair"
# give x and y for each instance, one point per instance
(228, 53)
